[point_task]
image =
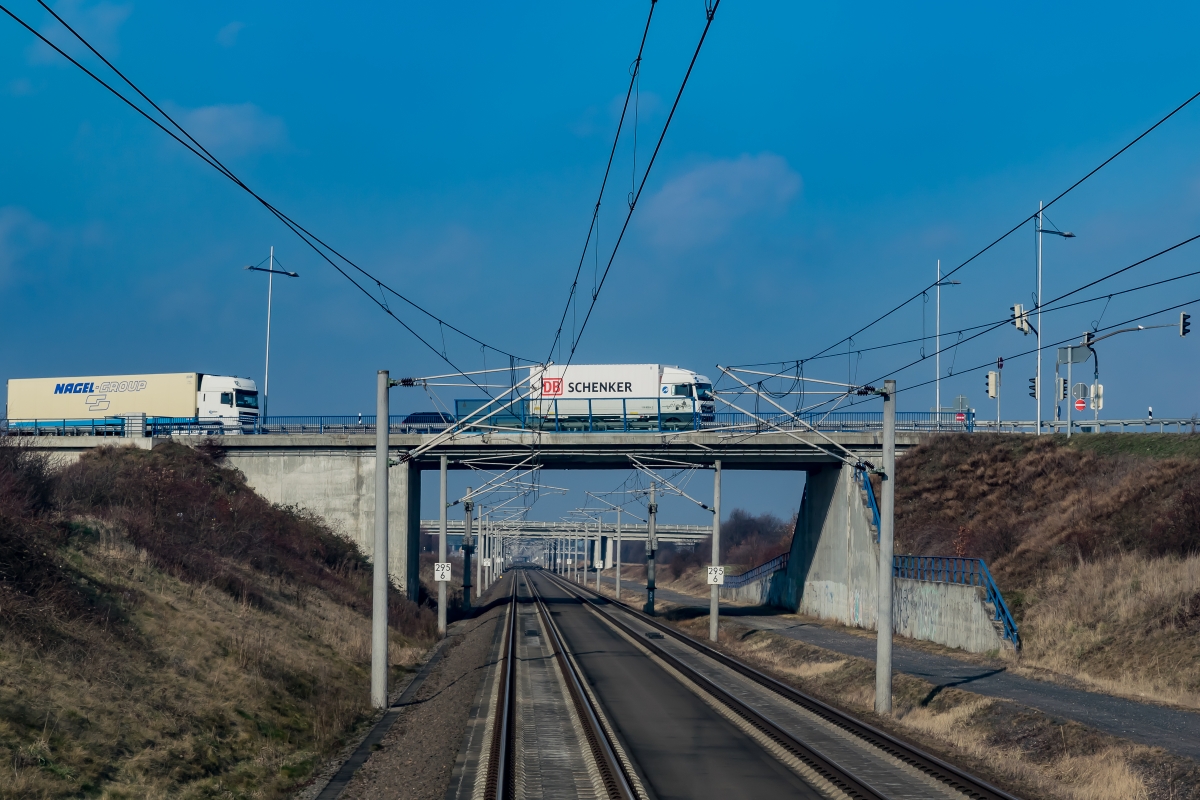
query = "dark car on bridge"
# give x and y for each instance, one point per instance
(427, 421)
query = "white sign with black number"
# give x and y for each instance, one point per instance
(441, 571)
(487, 562)
(716, 575)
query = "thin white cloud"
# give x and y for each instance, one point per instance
(99, 23)
(234, 130)
(700, 206)
(21, 233)
(20, 87)
(227, 36)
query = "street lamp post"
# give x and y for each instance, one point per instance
(271, 273)
(937, 344)
(1038, 382)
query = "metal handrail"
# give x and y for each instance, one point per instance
(866, 481)
(774, 565)
(962, 571)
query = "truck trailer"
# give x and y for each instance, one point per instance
(619, 396)
(221, 403)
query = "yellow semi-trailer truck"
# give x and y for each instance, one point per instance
(175, 396)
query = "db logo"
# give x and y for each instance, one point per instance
(552, 387)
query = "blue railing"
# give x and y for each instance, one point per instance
(866, 482)
(964, 571)
(628, 415)
(774, 565)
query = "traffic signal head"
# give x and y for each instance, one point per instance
(1061, 393)
(1020, 318)
(1097, 396)
(1033, 388)
(993, 383)
(1185, 323)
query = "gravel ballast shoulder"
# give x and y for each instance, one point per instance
(416, 758)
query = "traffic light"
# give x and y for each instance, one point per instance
(1020, 318)
(1097, 396)
(993, 383)
(1033, 388)
(1185, 323)
(1061, 385)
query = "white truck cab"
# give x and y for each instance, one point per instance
(231, 401)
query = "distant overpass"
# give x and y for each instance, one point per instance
(564, 530)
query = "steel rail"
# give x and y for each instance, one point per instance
(932, 766)
(617, 782)
(499, 781)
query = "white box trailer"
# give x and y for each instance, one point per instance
(604, 394)
(174, 397)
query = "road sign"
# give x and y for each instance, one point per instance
(487, 562)
(1079, 391)
(716, 575)
(1080, 404)
(441, 571)
(960, 417)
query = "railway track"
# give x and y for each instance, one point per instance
(611, 775)
(838, 773)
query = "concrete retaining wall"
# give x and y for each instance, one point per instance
(833, 573)
(339, 486)
(946, 613)
(336, 484)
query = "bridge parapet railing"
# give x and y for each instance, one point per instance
(629, 415)
(963, 571)
(774, 565)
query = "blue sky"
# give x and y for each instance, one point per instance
(821, 161)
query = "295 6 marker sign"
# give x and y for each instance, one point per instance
(716, 575)
(441, 571)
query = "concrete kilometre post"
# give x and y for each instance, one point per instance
(883, 646)
(651, 546)
(379, 589)
(442, 547)
(468, 546)
(714, 600)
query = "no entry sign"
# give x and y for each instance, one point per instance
(1080, 404)
(960, 417)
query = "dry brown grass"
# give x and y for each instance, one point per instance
(166, 633)
(1017, 748)
(1093, 544)
(1125, 625)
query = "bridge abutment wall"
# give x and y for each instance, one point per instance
(833, 571)
(339, 487)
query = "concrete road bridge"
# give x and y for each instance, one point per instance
(833, 566)
(333, 474)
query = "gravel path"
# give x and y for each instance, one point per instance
(416, 758)
(1175, 730)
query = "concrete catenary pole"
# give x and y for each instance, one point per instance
(714, 600)
(468, 546)
(379, 590)
(442, 546)
(617, 576)
(600, 560)
(883, 642)
(480, 552)
(651, 546)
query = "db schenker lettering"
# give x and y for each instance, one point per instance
(595, 387)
